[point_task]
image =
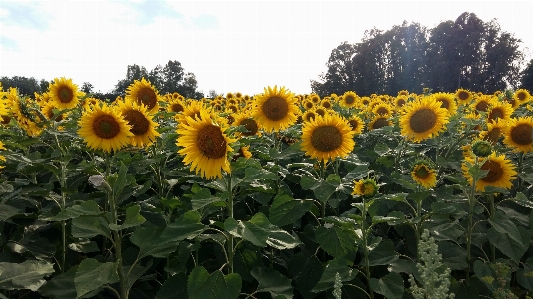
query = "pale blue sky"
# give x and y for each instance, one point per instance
(229, 45)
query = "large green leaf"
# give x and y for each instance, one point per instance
(27, 275)
(509, 246)
(286, 210)
(90, 226)
(281, 239)
(133, 218)
(203, 198)
(7, 211)
(391, 286)
(524, 275)
(120, 182)
(306, 271)
(322, 189)
(328, 276)
(174, 287)
(335, 242)
(251, 174)
(186, 227)
(202, 285)
(256, 230)
(501, 223)
(87, 208)
(92, 274)
(61, 286)
(383, 254)
(273, 282)
(149, 242)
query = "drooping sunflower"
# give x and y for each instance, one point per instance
(500, 172)
(518, 134)
(246, 120)
(365, 188)
(143, 92)
(327, 137)
(464, 97)
(23, 110)
(357, 124)
(48, 111)
(142, 125)
(205, 145)
(423, 119)
(522, 96)
(275, 109)
(447, 101)
(63, 93)
(104, 127)
(424, 174)
(348, 99)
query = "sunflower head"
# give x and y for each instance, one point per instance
(348, 99)
(481, 148)
(365, 188)
(463, 96)
(423, 173)
(519, 134)
(522, 96)
(423, 119)
(142, 92)
(500, 172)
(142, 125)
(357, 124)
(275, 109)
(63, 93)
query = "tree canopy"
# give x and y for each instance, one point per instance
(465, 53)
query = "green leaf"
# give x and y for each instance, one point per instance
(133, 218)
(383, 254)
(286, 210)
(256, 230)
(27, 275)
(90, 226)
(7, 211)
(251, 174)
(509, 246)
(521, 199)
(201, 285)
(381, 149)
(390, 286)
(188, 226)
(203, 198)
(174, 287)
(453, 255)
(504, 225)
(149, 242)
(524, 276)
(84, 246)
(322, 189)
(92, 274)
(335, 242)
(273, 282)
(281, 239)
(87, 208)
(120, 183)
(328, 276)
(306, 271)
(61, 286)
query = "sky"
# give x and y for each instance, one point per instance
(230, 46)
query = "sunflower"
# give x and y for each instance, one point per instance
(275, 109)
(348, 99)
(518, 134)
(48, 111)
(205, 145)
(424, 174)
(192, 109)
(522, 96)
(103, 127)
(143, 127)
(423, 119)
(464, 97)
(382, 109)
(88, 103)
(143, 92)
(499, 110)
(314, 98)
(175, 105)
(482, 103)
(379, 122)
(309, 115)
(243, 152)
(327, 137)
(326, 104)
(403, 93)
(365, 188)
(23, 111)
(500, 172)
(447, 101)
(495, 130)
(357, 124)
(400, 101)
(307, 104)
(249, 123)
(63, 93)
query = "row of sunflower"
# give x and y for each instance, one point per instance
(434, 140)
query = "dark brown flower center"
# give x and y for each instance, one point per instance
(380, 123)
(309, 116)
(326, 138)
(65, 94)
(444, 103)
(138, 122)
(463, 95)
(521, 96)
(493, 135)
(382, 111)
(275, 108)
(521, 134)
(211, 142)
(106, 126)
(423, 120)
(5, 119)
(326, 105)
(400, 102)
(482, 106)
(422, 172)
(250, 125)
(177, 108)
(309, 105)
(495, 171)
(354, 124)
(147, 96)
(349, 100)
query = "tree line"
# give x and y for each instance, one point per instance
(465, 53)
(166, 79)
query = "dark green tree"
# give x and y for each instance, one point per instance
(87, 87)
(134, 72)
(25, 86)
(527, 77)
(340, 76)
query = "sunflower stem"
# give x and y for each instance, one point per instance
(492, 212)
(229, 188)
(520, 164)
(117, 237)
(63, 181)
(471, 204)
(365, 244)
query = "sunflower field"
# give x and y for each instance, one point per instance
(273, 195)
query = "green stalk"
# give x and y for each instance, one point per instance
(365, 242)
(230, 215)
(63, 222)
(471, 204)
(492, 212)
(117, 237)
(520, 164)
